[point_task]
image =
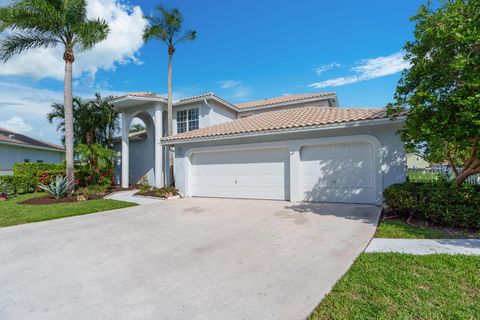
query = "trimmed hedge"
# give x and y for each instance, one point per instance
(439, 202)
(27, 176)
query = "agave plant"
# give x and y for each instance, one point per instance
(59, 188)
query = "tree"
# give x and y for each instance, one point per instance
(96, 157)
(441, 90)
(95, 121)
(166, 27)
(49, 23)
(137, 127)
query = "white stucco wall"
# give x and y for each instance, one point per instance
(10, 154)
(391, 154)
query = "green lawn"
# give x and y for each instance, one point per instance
(401, 230)
(401, 286)
(422, 176)
(12, 213)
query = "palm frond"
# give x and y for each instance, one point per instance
(90, 32)
(19, 42)
(190, 35)
(154, 31)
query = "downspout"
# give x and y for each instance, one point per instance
(209, 112)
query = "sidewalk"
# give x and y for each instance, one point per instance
(128, 197)
(425, 246)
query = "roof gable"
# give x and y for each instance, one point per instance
(20, 139)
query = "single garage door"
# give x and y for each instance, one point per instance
(250, 174)
(338, 173)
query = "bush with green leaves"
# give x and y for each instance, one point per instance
(91, 190)
(60, 188)
(167, 191)
(441, 202)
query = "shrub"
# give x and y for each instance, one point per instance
(167, 191)
(91, 190)
(439, 202)
(59, 188)
(5, 189)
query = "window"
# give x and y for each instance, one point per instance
(187, 120)
(26, 160)
(39, 161)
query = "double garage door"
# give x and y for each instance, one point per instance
(328, 173)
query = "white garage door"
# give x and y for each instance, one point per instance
(254, 174)
(338, 173)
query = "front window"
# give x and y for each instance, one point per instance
(187, 120)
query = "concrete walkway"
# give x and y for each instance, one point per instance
(425, 246)
(128, 197)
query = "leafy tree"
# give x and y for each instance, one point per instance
(95, 156)
(49, 23)
(137, 127)
(95, 120)
(441, 90)
(166, 27)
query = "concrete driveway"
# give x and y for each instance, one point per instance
(182, 259)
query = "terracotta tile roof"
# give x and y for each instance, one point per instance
(282, 99)
(149, 95)
(284, 119)
(17, 138)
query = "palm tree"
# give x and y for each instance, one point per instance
(95, 120)
(48, 23)
(137, 127)
(166, 28)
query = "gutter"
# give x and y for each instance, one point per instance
(31, 147)
(344, 125)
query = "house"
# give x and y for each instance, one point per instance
(416, 161)
(16, 147)
(300, 147)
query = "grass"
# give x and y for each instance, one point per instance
(12, 213)
(401, 286)
(401, 230)
(422, 176)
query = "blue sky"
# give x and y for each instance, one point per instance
(245, 50)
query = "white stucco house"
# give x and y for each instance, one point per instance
(16, 147)
(301, 147)
(416, 161)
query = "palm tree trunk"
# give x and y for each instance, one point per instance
(68, 103)
(170, 114)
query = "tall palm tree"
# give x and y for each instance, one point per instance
(49, 23)
(166, 27)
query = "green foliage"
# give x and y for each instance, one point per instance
(91, 190)
(5, 188)
(144, 186)
(59, 188)
(166, 27)
(167, 191)
(391, 286)
(13, 213)
(137, 128)
(95, 120)
(438, 202)
(44, 23)
(32, 169)
(441, 90)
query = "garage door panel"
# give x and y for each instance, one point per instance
(338, 173)
(256, 174)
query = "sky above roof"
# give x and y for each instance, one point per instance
(245, 50)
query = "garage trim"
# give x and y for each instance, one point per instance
(294, 147)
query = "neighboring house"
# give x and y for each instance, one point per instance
(300, 147)
(16, 147)
(416, 161)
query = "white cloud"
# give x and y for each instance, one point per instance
(368, 69)
(121, 47)
(235, 89)
(325, 67)
(16, 124)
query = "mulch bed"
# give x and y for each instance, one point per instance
(47, 199)
(150, 193)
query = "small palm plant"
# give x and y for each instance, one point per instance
(59, 188)
(5, 190)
